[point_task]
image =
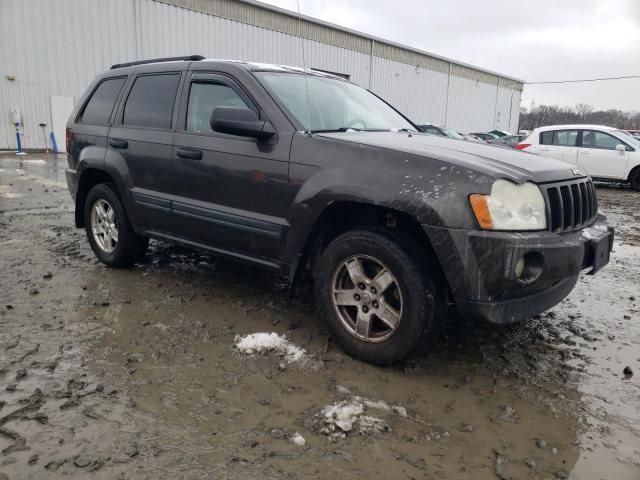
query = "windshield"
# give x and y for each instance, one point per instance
(334, 105)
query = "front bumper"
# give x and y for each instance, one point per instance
(504, 277)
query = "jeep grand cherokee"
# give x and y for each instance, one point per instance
(314, 177)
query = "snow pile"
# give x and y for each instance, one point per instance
(270, 343)
(344, 416)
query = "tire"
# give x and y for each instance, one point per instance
(113, 222)
(414, 301)
(634, 179)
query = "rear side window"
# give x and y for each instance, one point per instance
(546, 138)
(98, 109)
(560, 138)
(150, 103)
(203, 98)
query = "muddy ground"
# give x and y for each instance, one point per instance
(133, 373)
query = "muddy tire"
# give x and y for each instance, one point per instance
(634, 179)
(380, 297)
(110, 234)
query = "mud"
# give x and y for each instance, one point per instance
(133, 373)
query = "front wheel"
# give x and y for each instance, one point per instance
(110, 234)
(378, 295)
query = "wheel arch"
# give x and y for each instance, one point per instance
(89, 178)
(341, 216)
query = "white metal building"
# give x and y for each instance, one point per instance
(51, 49)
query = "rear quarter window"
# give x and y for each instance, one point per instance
(98, 108)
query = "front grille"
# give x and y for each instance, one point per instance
(571, 205)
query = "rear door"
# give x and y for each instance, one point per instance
(140, 147)
(599, 157)
(234, 190)
(560, 144)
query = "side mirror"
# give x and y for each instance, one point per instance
(621, 148)
(240, 121)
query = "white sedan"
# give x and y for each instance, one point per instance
(606, 153)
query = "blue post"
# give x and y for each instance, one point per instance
(18, 141)
(54, 144)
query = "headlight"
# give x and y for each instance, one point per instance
(510, 207)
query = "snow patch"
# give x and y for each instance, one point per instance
(11, 195)
(298, 440)
(34, 162)
(270, 343)
(5, 192)
(344, 416)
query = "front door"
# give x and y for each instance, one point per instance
(560, 144)
(141, 142)
(599, 157)
(234, 189)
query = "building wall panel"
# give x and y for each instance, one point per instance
(419, 93)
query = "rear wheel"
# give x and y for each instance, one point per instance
(634, 179)
(378, 295)
(110, 234)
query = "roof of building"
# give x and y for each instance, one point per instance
(336, 34)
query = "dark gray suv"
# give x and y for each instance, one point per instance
(316, 178)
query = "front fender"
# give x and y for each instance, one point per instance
(323, 188)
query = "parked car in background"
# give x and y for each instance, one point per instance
(511, 140)
(634, 133)
(317, 179)
(440, 131)
(472, 138)
(487, 137)
(499, 133)
(606, 153)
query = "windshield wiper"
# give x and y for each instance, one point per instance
(334, 130)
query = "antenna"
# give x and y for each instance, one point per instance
(304, 66)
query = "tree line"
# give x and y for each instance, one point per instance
(544, 115)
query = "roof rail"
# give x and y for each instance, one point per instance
(190, 58)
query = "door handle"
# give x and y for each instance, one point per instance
(117, 143)
(584, 153)
(190, 154)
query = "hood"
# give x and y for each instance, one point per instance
(496, 161)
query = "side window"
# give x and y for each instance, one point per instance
(546, 138)
(433, 131)
(565, 138)
(203, 98)
(600, 140)
(99, 107)
(150, 102)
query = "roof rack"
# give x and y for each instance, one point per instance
(190, 58)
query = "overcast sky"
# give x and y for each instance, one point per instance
(533, 41)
